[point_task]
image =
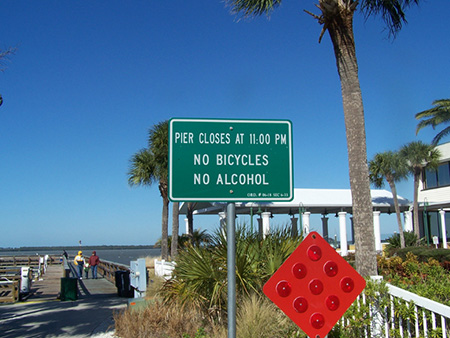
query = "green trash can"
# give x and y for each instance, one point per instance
(69, 289)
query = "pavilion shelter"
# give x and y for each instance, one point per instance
(306, 202)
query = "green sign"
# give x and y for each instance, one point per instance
(230, 160)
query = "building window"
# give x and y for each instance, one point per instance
(443, 174)
(437, 178)
(430, 178)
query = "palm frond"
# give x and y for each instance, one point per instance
(440, 135)
(158, 143)
(249, 8)
(438, 114)
(419, 154)
(392, 12)
(142, 169)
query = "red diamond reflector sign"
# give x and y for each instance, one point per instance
(314, 286)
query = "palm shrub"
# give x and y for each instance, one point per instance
(410, 240)
(200, 276)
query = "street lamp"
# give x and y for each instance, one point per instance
(425, 221)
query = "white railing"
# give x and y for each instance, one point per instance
(164, 269)
(401, 314)
(429, 318)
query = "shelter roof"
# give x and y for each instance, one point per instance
(316, 201)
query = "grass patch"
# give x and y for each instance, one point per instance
(259, 317)
(158, 321)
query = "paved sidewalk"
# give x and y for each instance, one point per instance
(43, 315)
(82, 318)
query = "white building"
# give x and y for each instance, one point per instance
(434, 199)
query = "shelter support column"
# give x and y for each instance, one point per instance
(305, 218)
(265, 223)
(325, 227)
(343, 232)
(376, 230)
(260, 228)
(223, 221)
(294, 228)
(408, 220)
(186, 221)
(443, 229)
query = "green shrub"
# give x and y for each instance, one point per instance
(425, 253)
(425, 278)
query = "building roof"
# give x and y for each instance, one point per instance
(316, 201)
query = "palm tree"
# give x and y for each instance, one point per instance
(149, 166)
(200, 237)
(419, 155)
(439, 114)
(389, 166)
(336, 17)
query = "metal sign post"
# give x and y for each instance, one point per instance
(231, 269)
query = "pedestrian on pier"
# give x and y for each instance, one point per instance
(93, 262)
(86, 269)
(79, 262)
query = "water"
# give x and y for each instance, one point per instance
(122, 256)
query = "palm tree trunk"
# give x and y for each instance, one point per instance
(165, 221)
(190, 217)
(397, 212)
(175, 229)
(340, 28)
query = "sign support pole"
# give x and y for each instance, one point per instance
(231, 268)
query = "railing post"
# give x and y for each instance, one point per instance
(377, 318)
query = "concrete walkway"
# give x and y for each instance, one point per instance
(44, 315)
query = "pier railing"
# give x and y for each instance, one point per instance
(17, 273)
(9, 290)
(108, 269)
(32, 261)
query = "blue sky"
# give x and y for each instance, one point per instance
(89, 78)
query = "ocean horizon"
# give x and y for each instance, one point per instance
(118, 254)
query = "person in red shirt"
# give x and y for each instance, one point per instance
(93, 262)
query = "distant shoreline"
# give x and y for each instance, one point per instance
(77, 247)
